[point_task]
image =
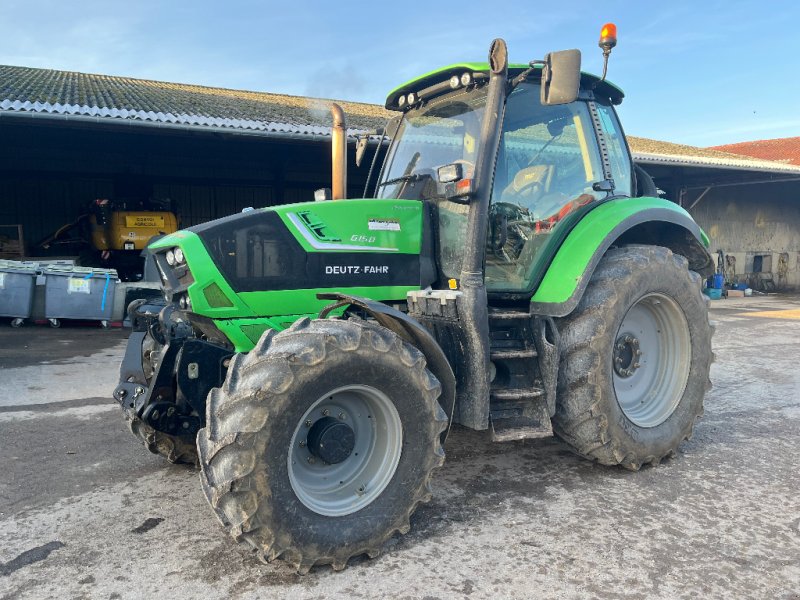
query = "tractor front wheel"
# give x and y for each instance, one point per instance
(321, 442)
(635, 359)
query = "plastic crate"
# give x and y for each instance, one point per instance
(17, 279)
(78, 293)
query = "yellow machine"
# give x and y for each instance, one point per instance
(119, 236)
(111, 235)
(130, 230)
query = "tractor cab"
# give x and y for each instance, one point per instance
(553, 163)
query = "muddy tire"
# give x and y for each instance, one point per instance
(272, 481)
(635, 359)
(178, 450)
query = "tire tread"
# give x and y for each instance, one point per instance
(261, 376)
(579, 419)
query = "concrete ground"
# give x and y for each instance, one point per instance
(86, 512)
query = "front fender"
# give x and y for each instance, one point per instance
(413, 332)
(617, 222)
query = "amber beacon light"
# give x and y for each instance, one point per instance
(608, 39)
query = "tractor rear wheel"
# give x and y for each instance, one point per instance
(635, 359)
(321, 442)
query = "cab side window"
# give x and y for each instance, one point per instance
(617, 150)
(547, 164)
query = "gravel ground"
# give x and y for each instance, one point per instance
(86, 512)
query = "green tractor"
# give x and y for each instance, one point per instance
(514, 273)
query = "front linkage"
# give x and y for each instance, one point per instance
(167, 370)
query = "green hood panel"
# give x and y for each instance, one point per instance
(355, 225)
(362, 233)
(171, 240)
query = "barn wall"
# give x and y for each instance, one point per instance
(49, 174)
(759, 227)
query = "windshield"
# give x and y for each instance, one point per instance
(443, 132)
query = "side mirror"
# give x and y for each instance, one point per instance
(361, 147)
(561, 77)
(363, 142)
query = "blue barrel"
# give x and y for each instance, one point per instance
(719, 280)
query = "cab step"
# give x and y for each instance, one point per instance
(518, 414)
(520, 428)
(500, 314)
(514, 395)
(512, 354)
(518, 397)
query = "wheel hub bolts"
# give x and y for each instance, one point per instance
(626, 355)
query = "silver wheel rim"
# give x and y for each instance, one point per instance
(651, 360)
(346, 487)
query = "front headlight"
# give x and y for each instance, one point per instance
(179, 258)
(170, 258)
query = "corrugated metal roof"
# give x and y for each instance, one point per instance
(693, 161)
(25, 90)
(46, 91)
(666, 153)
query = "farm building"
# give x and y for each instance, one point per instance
(67, 139)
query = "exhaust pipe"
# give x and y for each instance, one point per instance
(338, 154)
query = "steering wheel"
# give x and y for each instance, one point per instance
(510, 227)
(529, 183)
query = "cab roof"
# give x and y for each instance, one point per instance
(588, 81)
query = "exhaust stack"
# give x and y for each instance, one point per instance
(338, 154)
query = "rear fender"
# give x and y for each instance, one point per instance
(652, 221)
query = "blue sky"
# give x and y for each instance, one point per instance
(700, 73)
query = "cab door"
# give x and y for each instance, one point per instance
(547, 164)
